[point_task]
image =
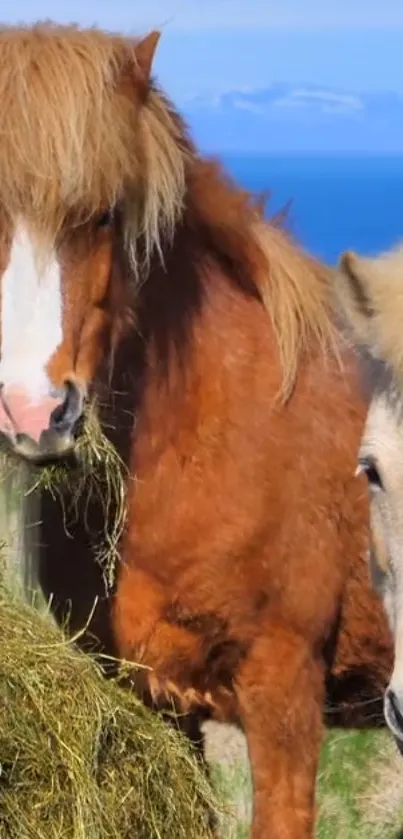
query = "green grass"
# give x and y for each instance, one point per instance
(233, 785)
(359, 791)
(345, 773)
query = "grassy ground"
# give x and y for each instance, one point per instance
(360, 786)
(360, 791)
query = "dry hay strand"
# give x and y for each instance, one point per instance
(100, 477)
(80, 757)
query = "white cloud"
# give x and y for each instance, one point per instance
(326, 101)
(247, 105)
(282, 98)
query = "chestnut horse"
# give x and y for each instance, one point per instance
(134, 271)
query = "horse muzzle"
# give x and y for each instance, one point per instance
(43, 431)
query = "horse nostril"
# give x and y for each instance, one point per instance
(67, 413)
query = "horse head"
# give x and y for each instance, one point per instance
(91, 178)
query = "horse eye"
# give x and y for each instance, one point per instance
(104, 219)
(370, 469)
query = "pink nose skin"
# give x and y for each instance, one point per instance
(19, 414)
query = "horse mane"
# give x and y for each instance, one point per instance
(295, 288)
(297, 295)
(71, 140)
(73, 143)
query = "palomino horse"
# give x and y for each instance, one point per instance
(371, 294)
(134, 271)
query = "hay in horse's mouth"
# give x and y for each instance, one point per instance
(96, 474)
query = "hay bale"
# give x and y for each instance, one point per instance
(81, 758)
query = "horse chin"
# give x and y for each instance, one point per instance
(52, 449)
(399, 744)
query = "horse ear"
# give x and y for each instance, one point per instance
(145, 52)
(353, 292)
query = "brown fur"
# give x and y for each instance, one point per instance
(243, 581)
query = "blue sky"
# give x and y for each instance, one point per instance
(210, 47)
(213, 45)
(222, 14)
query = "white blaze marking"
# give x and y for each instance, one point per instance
(31, 318)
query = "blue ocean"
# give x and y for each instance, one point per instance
(337, 202)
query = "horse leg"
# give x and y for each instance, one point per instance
(280, 689)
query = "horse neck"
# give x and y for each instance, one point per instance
(223, 262)
(170, 366)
